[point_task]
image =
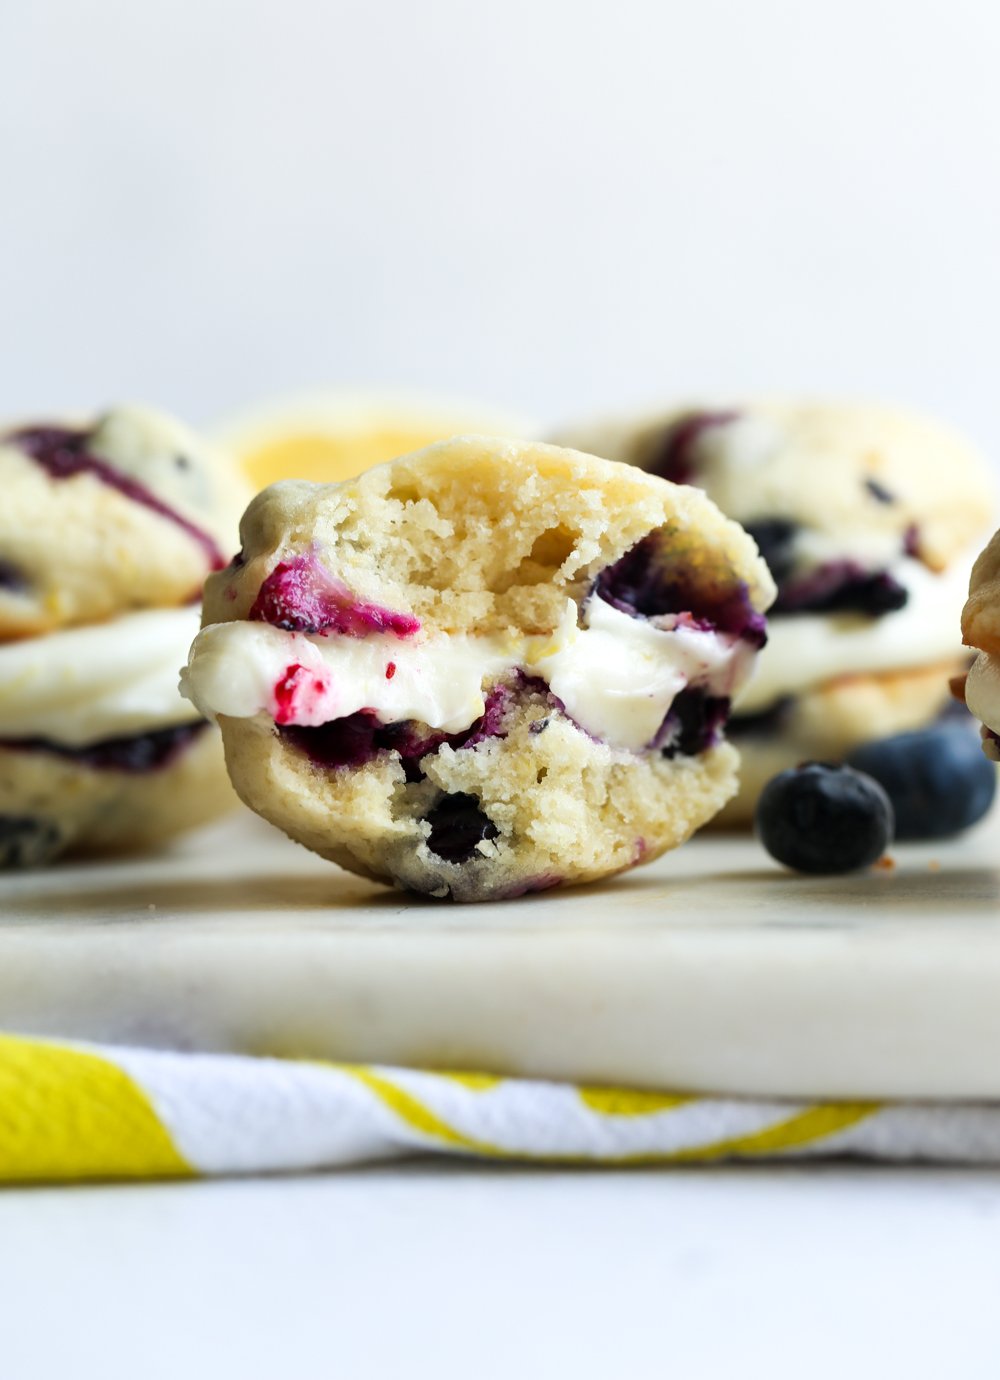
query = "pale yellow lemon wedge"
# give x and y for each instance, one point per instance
(335, 436)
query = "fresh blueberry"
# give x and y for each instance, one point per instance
(937, 778)
(26, 841)
(824, 819)
(457, 825)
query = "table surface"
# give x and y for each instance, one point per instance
(442, 1270)
(711, 970)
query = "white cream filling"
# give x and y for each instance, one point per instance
(616, 675)
(982, 691)
(805, 649)
(108, 680)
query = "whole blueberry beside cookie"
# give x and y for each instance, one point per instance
(824, 819)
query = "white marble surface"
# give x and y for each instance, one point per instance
(711, 970)
(441, 1272)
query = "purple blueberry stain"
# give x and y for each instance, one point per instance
(458, 824)
(645, 583)
(138, 753)
(675, 456)
(694, 724)
(841, 587)
(359, 738)
(301, 595)
(62, 453)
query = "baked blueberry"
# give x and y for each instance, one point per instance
(458, 826)
(824, 819)
(775, 538)
(937, 778)
(26, 841)
(674, 456)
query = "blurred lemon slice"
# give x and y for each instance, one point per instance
(335, 436)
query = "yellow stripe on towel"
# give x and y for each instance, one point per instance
(418, 1115)
(69, 1114)
(807, 1128)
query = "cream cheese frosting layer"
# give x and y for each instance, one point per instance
(107, 680)
(804, 650)
(616, 675)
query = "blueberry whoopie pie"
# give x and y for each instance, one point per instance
(484, 669)
(107, 532)
(867, 518)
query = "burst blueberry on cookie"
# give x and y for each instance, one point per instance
(484, 669)
(107, 533)
(867, 518)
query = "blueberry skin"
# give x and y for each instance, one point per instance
(824, 819)
(937, 778)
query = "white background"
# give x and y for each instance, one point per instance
(551, 206)
(548, 205)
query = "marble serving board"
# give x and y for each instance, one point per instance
(711, 970)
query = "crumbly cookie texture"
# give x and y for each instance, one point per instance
(53, 803)
(833, 468)
(981, 614)
(483, 538)
(828, 722)
(129, 512)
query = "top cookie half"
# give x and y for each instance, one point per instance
(129, 512)
(475, 535)
(844, 481)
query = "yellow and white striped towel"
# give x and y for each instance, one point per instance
(73, 1111)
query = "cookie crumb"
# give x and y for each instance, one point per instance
(933, 865)
(885, 863)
